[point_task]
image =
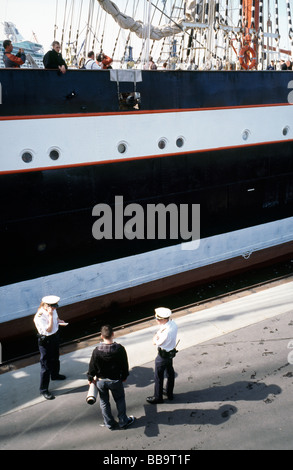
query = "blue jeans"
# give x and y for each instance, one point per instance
(117, 390)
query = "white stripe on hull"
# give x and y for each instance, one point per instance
(92, 139)
(22, 299)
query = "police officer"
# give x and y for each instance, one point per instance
(47, 323)
(165, 339)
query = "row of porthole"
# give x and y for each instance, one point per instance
(246, 133)
(162, 143)
(54, 154)
(27, 155)
(122, 146)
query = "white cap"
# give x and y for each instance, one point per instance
(163, 312)
(51, 299)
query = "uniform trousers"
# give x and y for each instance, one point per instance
(164, 366)
(117, 390)
(50, 364)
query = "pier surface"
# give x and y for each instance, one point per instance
(233, 388)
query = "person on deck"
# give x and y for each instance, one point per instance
(104, 61)
(91, 64)
(10, 60)
(53, 59)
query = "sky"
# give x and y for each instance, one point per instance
(31, 15)
(38, 16)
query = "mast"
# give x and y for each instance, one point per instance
(251, 15)
(249, 51)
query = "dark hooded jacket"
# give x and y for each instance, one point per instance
(109, 361)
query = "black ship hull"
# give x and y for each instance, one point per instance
(219, 140)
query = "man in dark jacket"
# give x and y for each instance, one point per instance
(108, 368)
(53, 59)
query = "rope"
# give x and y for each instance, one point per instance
(55, 25)
(290, 32)
(77, 32)
(63, 29)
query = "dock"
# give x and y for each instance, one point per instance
(233, 388)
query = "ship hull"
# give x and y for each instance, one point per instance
(221, 141)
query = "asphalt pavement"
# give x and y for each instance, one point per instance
(234, 373)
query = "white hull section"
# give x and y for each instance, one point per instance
(94, 139)
(22, 299)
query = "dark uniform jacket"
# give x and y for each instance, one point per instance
(109, 361)
(53, 59)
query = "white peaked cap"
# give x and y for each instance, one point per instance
(163, 312)
(51, 299)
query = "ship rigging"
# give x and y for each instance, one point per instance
(189, 34)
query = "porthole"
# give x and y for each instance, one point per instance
(162, 144)
(54, 154)
(122, 147)
(245, 134)
(180, 142)
(41, 247)
(27, 157)
(286, 130)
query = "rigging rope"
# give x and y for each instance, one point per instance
(55, 25)
(63, 29)
(117, 37)
(290, 32)
(77, 31)
(126, 22)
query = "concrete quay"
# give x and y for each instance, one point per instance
(234, 374)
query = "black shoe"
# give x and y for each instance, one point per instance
(129, 422)
(111, 427)
(59, 377)
(154, 400)
(48, 395)
(170, 397)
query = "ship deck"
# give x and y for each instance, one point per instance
(232, 390)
